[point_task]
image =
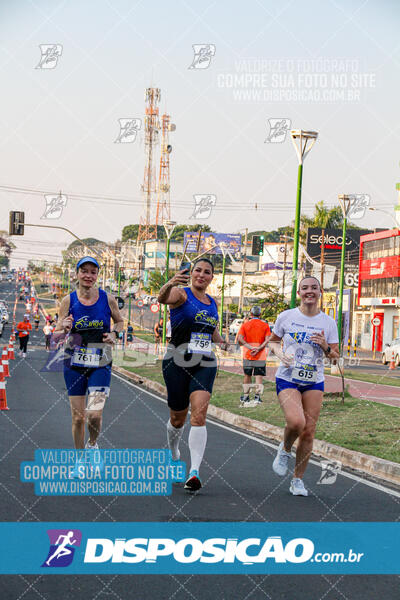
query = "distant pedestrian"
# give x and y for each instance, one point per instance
(158, 329)
(47, 330)
(23, 328)
(253, 336)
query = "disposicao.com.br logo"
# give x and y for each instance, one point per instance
(248, 551)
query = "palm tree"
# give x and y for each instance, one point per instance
(324, 217)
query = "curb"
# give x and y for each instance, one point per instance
(363, 463)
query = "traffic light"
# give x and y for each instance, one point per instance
(257, 245)
(16, 226)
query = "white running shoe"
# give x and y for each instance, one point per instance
(96, 461)
(280, 464)
(297, 487)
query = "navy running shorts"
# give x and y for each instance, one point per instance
(182, 381)
(80, 381)
(254, 367)
(282, 384)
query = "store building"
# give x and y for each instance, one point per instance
(377, 321)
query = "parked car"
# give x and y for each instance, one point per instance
(4, 315)
(235, 326)
(392, 348)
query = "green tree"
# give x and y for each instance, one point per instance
(270, 300)
(88, 241)
(155, 282)
(179, 231)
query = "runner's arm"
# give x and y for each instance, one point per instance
(334, 353)
(172, 295)
(116, 317)
(333, 347)
(275, 345)
(59, 330)
(217, 339)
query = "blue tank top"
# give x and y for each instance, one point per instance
(90, 322)
(192, 316)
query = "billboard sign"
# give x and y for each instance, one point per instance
(333, 244)
(212, 242)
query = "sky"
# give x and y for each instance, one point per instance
(331, 67)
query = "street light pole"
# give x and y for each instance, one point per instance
(221, 309)
(396, 224)
(129, 301)
(119, 281)
(169, 227)
(346, 202)
(300, 139)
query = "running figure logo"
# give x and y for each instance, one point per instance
(128, 130)
(50, 55)
(62, 547)
(203, 54)
(278, 129)
(330, 471)
(203, 205)
(54, 206)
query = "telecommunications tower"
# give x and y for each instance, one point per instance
(148, 227)
(163, 212)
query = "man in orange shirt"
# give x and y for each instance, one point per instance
(23, 328)
(253, 336)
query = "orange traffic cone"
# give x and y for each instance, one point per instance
(11, 354)
(3, 396)
(392, 364)
(4, 360)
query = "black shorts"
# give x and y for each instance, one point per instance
(254, 367)
(181, 381)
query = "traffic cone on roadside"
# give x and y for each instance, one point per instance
(4, 360)
(3, 396)
(392, 364)
(11, 354)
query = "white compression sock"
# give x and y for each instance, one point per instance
(197, 445)
(174, 437)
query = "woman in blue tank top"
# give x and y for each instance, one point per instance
(189, 366)
(85, 315)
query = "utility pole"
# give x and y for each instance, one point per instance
(240, 307)
(284, 266)
(322, 267)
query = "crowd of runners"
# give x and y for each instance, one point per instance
(90, 323)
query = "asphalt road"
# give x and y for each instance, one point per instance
(239, 485)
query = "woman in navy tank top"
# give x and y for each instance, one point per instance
(189, 366)
(85, 315)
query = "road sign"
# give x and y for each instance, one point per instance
(121, 302)
(155, 307)
(376, 321)
(139, 303)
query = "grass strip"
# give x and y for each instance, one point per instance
(360, 425)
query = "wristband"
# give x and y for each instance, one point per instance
(328, 350)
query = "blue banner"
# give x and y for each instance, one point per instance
(200, 548)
